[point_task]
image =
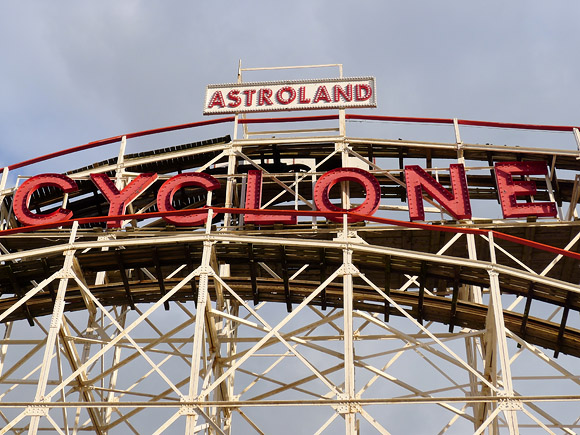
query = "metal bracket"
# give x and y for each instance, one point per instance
(37, 410)
(341, 146)
(350, 237)
(511, 405)
(187, 409)
(347, 407)
(65, 274)
(343, 408)
(348, 269)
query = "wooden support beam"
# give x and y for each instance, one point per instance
(189, 262)
(402, 176)
(20, 293)
(529, 299)
(422, 282)
(253, 274)
(284, 264)
(159, 275)
(492, 175)
(454, 299)
(556, 187)
(323, 276)
(530, 234)
(46, 275)
(97, 200)
(562, 326)
(123, 273)
(387, 286)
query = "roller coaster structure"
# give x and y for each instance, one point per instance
(336, 323)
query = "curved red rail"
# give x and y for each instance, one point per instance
(114, 139)
(376, 219)
(464, 122)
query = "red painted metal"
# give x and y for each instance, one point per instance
(308, 213)
(120, 200)
(455, 202)
(516, 126)
(114, 139)
(509, 189)
(171, 186)
(468, 122)
(399, 119)
(254, 201)
(360, 176)
(25, 191)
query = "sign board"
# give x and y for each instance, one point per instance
(455, 201)
(338, 93)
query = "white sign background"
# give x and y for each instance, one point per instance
(339, 93)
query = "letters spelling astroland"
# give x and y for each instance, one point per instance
(455, 201)
(290, 95)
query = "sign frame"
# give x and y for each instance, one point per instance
(288, 95)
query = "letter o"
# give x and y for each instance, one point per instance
(291, 95)
(360, 176)
(25, 191)
(170, 188)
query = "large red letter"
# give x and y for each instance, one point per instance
(24, 192)
(455, 202)
(171, 186)
(217, 99)
(509, 189)
(254, 200)
(363, 92)
(360, 176)
(120, 200)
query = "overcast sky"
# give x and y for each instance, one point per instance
(73, 71)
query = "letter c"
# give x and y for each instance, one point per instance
(171, 186)
(25, 191)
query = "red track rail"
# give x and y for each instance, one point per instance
(217, 210)
(110, 140)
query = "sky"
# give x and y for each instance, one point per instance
(73, 72)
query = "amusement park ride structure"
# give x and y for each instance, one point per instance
(291, 281)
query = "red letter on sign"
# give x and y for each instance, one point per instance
(321, 94)
(455, 202)
(264, 96)
(254, 200)
(233, 95)
(363, 89)
(360, 176)
(24, 192)
(509, 189)
(171, 186)
(340, 92)
(120, 200)
(217, 99)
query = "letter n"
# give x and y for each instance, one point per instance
(455, 202)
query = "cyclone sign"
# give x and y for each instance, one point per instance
(455, 201)
(337, 93)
